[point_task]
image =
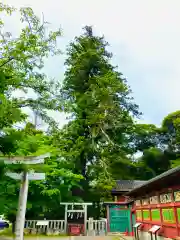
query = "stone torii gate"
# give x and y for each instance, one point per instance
(25, 176)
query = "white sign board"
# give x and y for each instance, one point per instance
(25, 160)
(166, 198)
(42, 223)
(36, 176)
(31, 176)
(138, 202)
(154, 200)
(154, 229)
(15, 176)
(137, 225)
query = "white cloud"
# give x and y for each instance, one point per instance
(144, 36)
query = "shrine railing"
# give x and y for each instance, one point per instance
(96, 227)
(56, 227)
(46, 226)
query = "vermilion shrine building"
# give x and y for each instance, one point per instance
(157, 207)
(149, 210)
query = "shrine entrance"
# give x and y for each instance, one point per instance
(119, 219)
(76, 218)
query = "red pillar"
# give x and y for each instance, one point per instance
(175, 212)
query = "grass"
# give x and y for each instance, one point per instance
(6, 232)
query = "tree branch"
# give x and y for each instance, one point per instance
(10, 59)
(108, 138)
(27, 20)
(105, 134)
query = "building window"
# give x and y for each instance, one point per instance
(168, 215)
(138, 215)
(146, 215)
(155, 215)
(178, 214)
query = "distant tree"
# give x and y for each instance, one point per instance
(21, 63)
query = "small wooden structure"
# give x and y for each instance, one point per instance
(119, 215)
(76, 218)
(157, 207)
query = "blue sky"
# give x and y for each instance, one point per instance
(144, 36)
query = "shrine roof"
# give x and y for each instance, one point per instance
(118, 203)
(165, 180)
(127, 185)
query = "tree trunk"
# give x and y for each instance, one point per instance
(13, 226)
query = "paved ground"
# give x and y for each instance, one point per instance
(101, 238)
(73, 238)
(66, 238)
(92, 238)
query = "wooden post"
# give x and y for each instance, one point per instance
(108, 219)
(20, 218)
(85, 219)
(65, 218)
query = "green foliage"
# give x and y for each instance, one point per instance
(159, 147)
(153, 162)
(171, 127)
(145, 136)
(21, 63)
(44, 196)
